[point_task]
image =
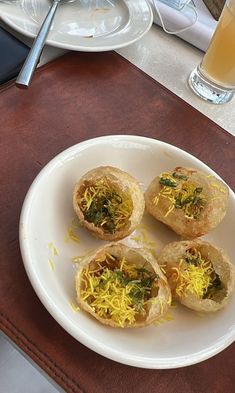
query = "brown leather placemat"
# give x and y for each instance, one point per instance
(77, 97)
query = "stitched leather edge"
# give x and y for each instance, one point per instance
(29, 347)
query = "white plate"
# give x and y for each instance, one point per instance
(47, 214)
(82, 25)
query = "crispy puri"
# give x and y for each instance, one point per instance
(108, 202)
(190, 202)
(122, 287)
(200, 274)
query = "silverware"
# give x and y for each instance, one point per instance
(25, 76)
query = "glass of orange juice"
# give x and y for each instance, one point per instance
(214, 79)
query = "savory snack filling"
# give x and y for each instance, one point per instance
(108, 202)
(117, 290)
(105, 206)
(200, 274)
(196, 275)
(122, 287)
(189, 201)
(182, 194)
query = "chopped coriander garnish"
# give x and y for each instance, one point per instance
(105, 206)
(177, 175)
(118, 290)
(182, 194)
(196, 275)
(167, 182)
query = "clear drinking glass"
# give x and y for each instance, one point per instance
(214, 79)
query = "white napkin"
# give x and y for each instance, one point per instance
(199, 34)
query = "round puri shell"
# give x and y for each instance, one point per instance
(170, 257)
(139, 257)
(216, 193)
(126, 184)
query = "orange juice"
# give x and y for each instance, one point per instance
(219, 61)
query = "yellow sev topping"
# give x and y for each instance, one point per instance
(71, 234)
(195, 275)
(105, 206)
(181, 194)
(53, 249)
(117, 290)
(218, 187)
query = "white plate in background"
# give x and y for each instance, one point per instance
(47, 214)
(82, 25)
